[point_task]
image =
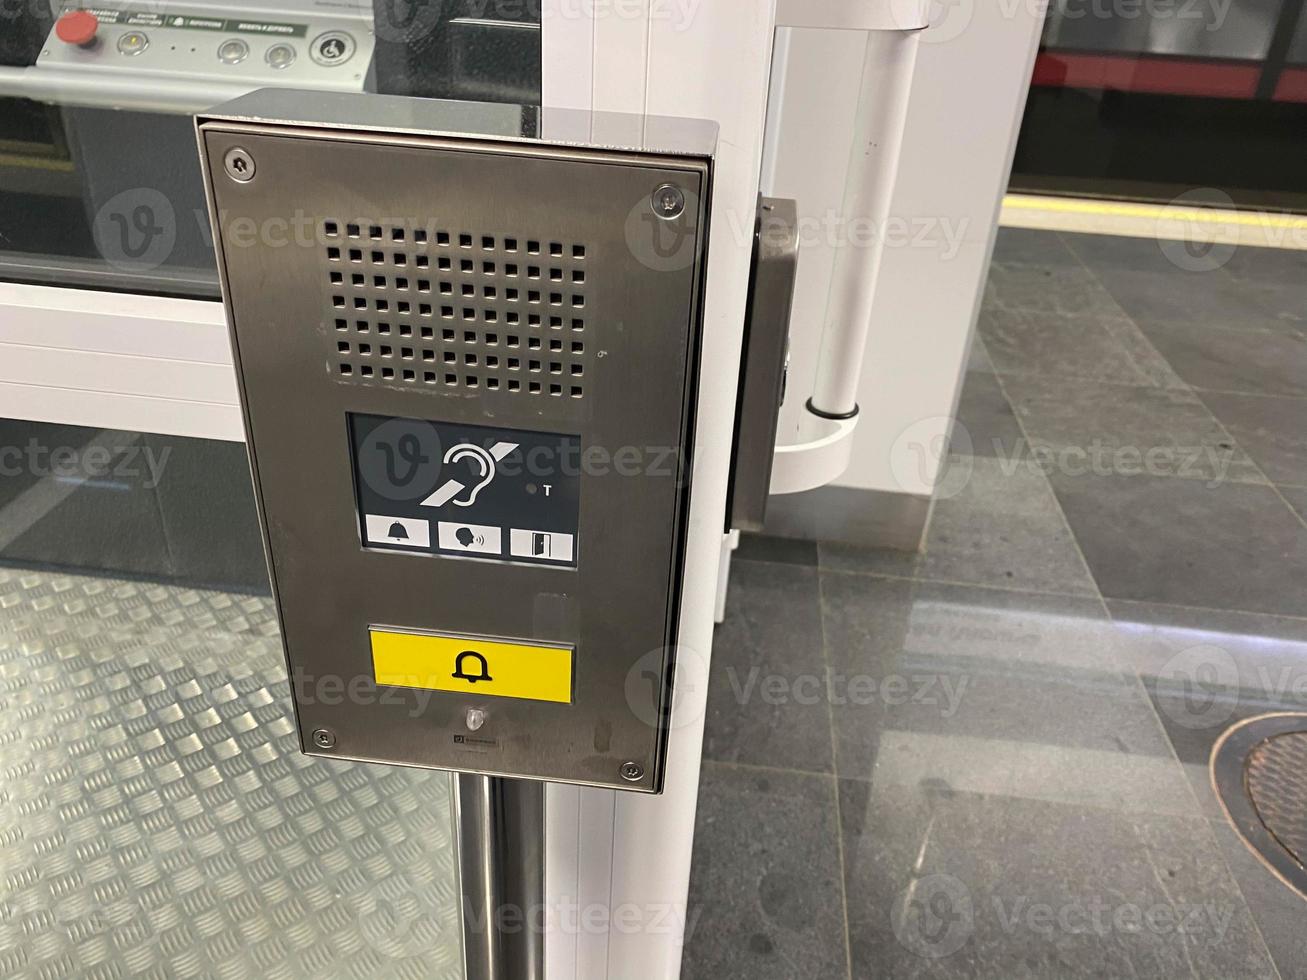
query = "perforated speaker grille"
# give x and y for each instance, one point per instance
(425, 306)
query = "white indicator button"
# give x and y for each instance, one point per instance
(406, 532)
(133, 43)
(549, 545)
(280, 56)
(477, 539)
(233, 52)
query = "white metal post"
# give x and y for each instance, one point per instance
(711, 61)
(873, 169)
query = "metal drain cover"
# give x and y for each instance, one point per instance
(1259, 772)
(1277, 783)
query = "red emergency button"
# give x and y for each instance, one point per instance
(77, 27)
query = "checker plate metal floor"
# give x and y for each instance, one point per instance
(1259, 771)
(158, 820)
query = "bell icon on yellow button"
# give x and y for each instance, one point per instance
(483, 668)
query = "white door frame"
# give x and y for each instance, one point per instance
(628, 854)
(618, 865)
(117, 361)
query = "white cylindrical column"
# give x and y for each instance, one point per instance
(873, 169)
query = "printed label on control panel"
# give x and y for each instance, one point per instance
(163, 17)
(467, 491)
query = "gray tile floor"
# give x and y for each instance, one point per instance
(990, 759)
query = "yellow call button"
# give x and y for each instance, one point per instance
(471, 665)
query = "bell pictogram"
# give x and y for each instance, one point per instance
(460, 669)
(398, 530)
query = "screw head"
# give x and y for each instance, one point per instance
(324, 738)
(632, 772)
(239, 164)
(668, 201)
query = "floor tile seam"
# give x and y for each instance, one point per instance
(759, 768)
(1258, 478)
(1262, 480)
(1266, 395)
(750, 560)
(1090, 380)
(1080, 805)
(835, 788)
(1056, 500)
(957, 583)
(1300, 518)
(1222, 270)
(1208, 609)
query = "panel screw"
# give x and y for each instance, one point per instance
(668, 202)
(324, 738)
(632, 772)
(239, 164)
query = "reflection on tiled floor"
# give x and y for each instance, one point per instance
(998, 748)
(157, 819)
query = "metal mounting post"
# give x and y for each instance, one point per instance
(500, 826)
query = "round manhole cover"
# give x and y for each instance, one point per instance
(1277, 782)
(1259, 771)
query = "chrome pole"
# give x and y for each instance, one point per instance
(500, 827)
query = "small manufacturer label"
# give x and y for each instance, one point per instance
(476, 742)
(267, 27)
(198, 23)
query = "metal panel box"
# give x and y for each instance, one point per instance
(467, 344)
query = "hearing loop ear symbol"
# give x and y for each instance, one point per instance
(483, 462)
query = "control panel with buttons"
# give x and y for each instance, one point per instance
(309, 49)
(469, 400)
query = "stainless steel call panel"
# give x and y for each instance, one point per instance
(467, 344)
